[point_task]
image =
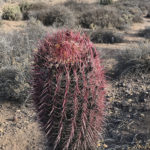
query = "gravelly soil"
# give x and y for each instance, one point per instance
(129, 109)
(19, 129)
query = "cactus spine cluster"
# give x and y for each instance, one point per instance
(68, 91)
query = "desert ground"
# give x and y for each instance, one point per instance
(127, 68)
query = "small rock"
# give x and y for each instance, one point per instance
(18, 110)
(1, 130)
(130, 100)
(15, 119)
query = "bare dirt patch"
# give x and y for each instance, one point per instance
(9, 26)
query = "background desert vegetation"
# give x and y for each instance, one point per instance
(121, 33)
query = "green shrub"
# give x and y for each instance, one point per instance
(106, 36)
(12, 12)
(57, 16)
(105, 2)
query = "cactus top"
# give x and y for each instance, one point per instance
(65, 47)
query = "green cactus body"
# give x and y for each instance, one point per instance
(68, 91)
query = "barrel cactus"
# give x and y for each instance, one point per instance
(69, 90)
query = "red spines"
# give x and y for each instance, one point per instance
(68, 90)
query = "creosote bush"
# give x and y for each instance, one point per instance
(68, 91)
(106, 36)
(11, 12)
(57, 16)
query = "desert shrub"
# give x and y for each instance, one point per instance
(148, 14)
(39, 6)
(102, 17)
(1, 23)
(11, 12)
(137, 52)
(57, 16)
(144, 6)
(127, 3)
(79, 8)
(137, 19)
(26, 7)
(5, 51)
(145, 33)
(140, 146)
(11, 84)
(17, 55)
(130, 11)
(136, 14)
(32, 33)
(106, 36)
(14, 54)
(105, 2)
(12, 51)
(136, 56)
(130, 14)
(35, 30)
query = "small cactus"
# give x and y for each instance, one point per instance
(68, 91)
